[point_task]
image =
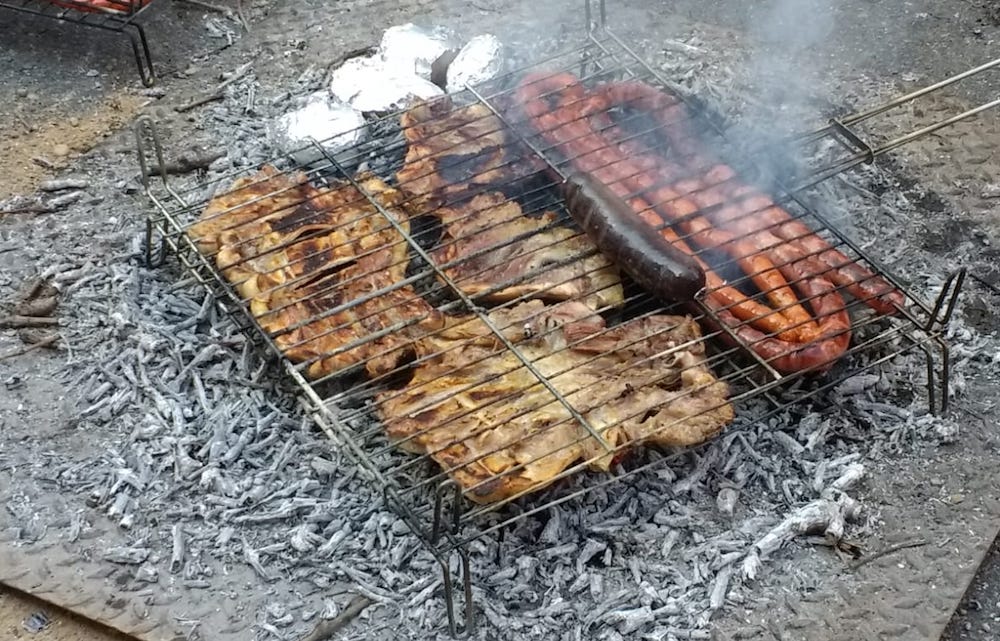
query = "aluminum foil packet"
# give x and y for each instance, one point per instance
(410, 50)
(481, 59)
(366, 84)
(335, 125)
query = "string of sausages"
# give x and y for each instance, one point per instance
(688, 192)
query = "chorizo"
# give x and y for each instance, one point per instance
(569, 131)
(821, 258)
(761, 328)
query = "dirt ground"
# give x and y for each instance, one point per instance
(63, 96)
(17, 608)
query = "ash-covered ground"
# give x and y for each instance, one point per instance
(157, 428)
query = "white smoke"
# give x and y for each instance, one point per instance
(790, 39)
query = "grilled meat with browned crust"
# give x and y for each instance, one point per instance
(495, 253)
(250, 200)
(309, 267)
(475, 409)
(453, 151)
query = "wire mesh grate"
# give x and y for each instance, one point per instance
(453, 329)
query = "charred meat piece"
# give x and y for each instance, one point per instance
(451, 151)
(323, 275)
(251, 201)
(475, 409)
(492, 251)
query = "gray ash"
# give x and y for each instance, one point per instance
(196, 431)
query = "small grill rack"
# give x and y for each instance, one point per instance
(435, 506)
(114, 16)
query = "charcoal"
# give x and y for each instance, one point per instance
(211, 467)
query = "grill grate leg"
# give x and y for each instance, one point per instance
(447, 581)
(143, 58)
(124, 24)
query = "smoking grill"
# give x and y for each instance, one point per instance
(494, 363)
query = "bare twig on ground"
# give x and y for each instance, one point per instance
(913, 543)
(187, 163)
(32, 209)
(239, 73)
(217, 94)
(325, 629)
(197, 102)
(16, 322)
(61, 184)
(65, 199)
(51, 340)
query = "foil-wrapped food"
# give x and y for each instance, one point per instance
(333, 124)
(367, 84)
(414, 64)
(481, 59)
(411, 50)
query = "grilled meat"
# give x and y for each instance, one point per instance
(491, 250)
(455, 151)
(309, 264)
(476, 410)
(251, 200)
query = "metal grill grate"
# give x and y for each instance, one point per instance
(117, 16)
(390, 314)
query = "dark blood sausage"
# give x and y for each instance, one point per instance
(630, 242)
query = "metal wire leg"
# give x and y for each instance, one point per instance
(945, 373)
(448, 486)
(143, 58)
(470, 613)
(947, 299)
(154, 258)
(931, 386)
(449, 594)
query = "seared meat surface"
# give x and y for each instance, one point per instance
(324, 271)
(454, 151)
(310, 267)
(475, 409)
(495, 253)
(251, 201)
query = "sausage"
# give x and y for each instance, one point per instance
(632, 244)
(790, 320)
(788, 357)
(820, 257)
(568, 131)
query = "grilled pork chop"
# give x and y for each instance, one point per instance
(451, 151)
(475, 409)
(497, 254)
(310, 266)
(251, 200)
